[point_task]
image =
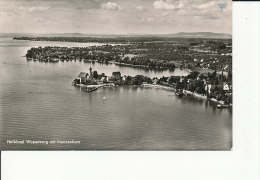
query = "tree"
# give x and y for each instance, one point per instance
(201, 76)
(214, 74)
(221, 46)
(191, 87)
(194, 74)
(200, 90)
(199, 83)
(179, 85)
(149, 81)
(137, 81)
(116, 75)
(95, 75)
(164, 79)
(229, 76)
(228, 99)
(174, 79)
(128, 80)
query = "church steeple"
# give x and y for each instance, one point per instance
(90, 73)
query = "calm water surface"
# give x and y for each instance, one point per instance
(38, 102)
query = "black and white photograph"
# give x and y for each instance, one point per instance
(116, 75)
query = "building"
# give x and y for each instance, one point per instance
(82, 77)
(103, 79)
(208, 88)
(226, 87)
(155, 80)
(90, 73)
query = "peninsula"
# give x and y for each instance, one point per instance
(208, 60)
(211, 86)
(204, 55)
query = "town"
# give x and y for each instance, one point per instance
(211, 86)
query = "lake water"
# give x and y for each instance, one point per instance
(38, 102)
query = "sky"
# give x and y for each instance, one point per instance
(115, 16)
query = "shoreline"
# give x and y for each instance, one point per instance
(189, 93)
(156, 86)
(118, 63)
(95, 86)
(143, 66)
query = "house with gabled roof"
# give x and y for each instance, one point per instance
(82, 77)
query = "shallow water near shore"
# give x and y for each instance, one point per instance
(38, 102)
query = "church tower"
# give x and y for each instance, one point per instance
(90, 73)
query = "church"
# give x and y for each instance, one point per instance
(85, 78)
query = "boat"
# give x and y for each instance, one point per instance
(91, 89)
(104, 98)
(87, 61)
(221, 106)
(185, 94)
(179, 93)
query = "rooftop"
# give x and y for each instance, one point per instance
(82, 74)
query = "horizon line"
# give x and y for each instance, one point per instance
(114, 33)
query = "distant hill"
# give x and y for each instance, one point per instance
(207, 35)
(204, 35)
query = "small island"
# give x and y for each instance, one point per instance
(212, 86)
